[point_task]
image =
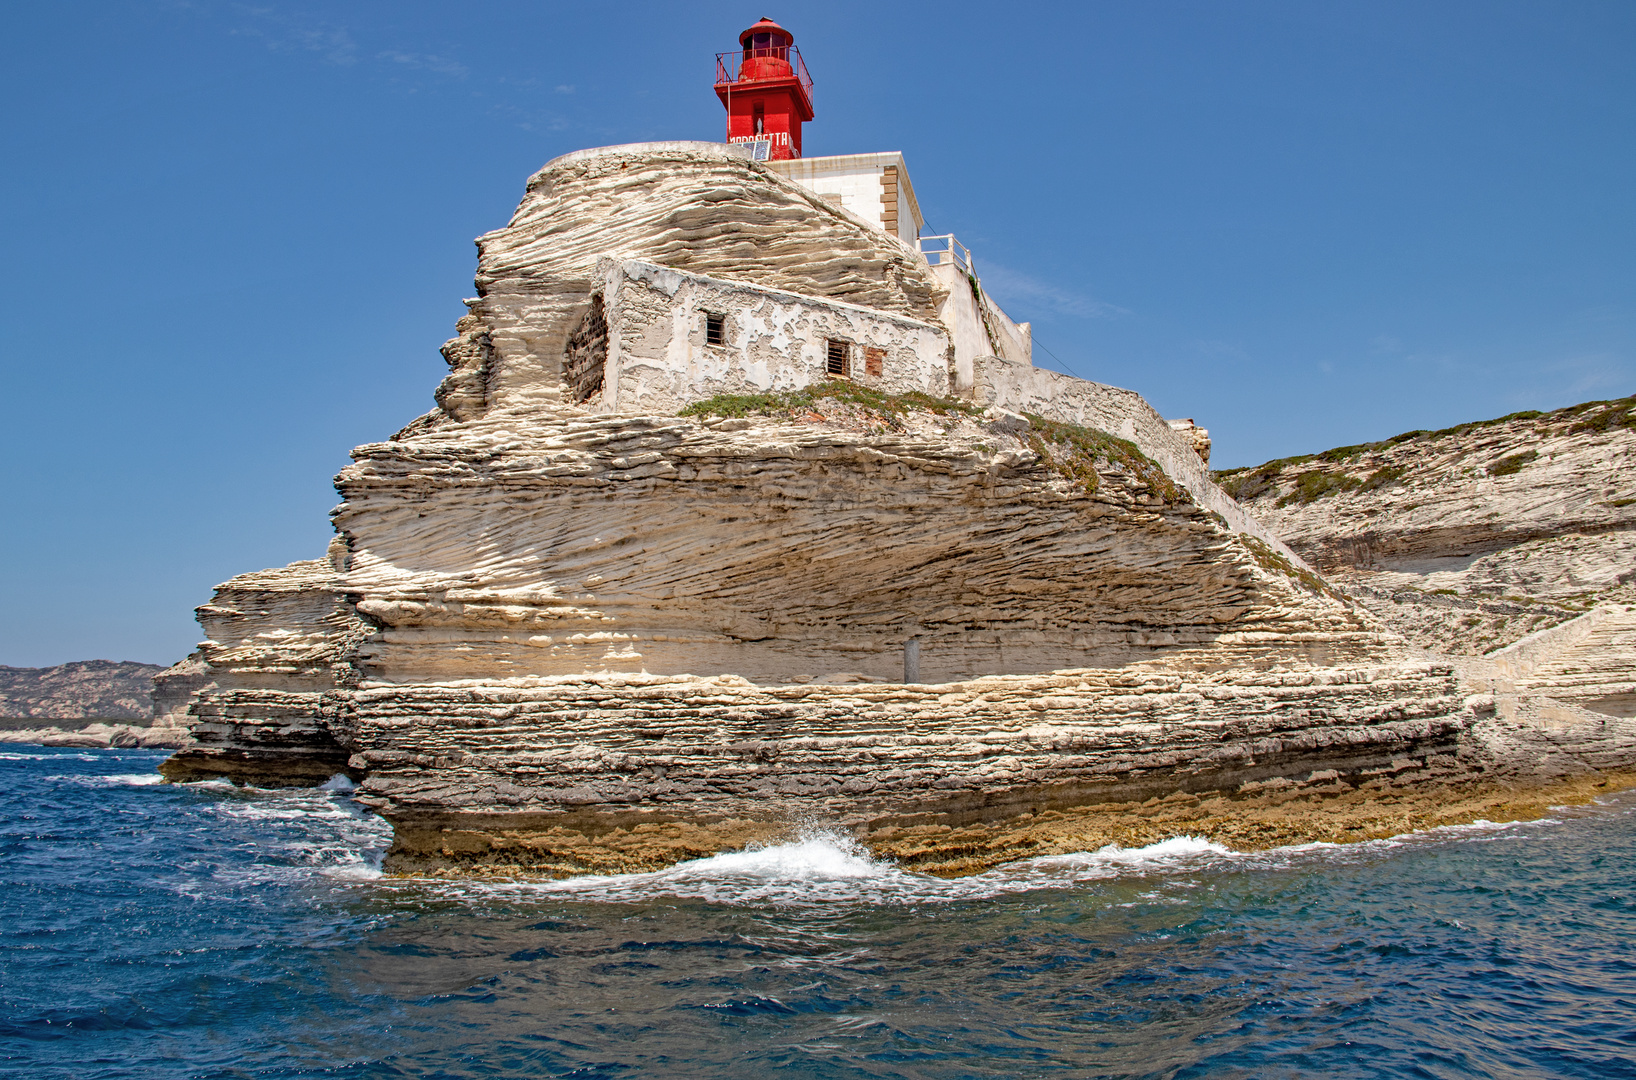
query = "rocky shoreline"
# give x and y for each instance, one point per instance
(102, 736)
(1324, 810)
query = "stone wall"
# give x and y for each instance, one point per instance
(659, 360)
(1055, 396)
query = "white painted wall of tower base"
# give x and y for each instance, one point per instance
(962, 313)
(659, 361)
(857, 179)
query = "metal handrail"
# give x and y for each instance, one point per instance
(946, 249)
(729, 64)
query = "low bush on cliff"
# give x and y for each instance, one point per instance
(1313, 485)
(803, 400)
(1593, 417)
(1600, 416)
(1512, 463)
(1274, 561)
(1072, 451)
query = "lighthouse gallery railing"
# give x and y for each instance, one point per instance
(729, 64)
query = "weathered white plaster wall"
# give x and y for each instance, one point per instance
(658, 360)
(964, 316)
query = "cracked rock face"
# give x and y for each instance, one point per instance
(784, 549)
(1469, 539)
(550, 639)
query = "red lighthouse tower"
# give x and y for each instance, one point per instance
(767, 92)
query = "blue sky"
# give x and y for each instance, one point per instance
(234, 235)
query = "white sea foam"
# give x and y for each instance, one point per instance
(817, 855)
(826, 866)
(1176, 849)
(114, 780)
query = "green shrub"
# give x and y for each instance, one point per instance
(1316, 484)
(1512, 463)
(843, 390)
(1072, 451)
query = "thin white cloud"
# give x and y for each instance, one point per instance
(564, 88)
(426, 62)
(1013, 286)
(1589, 374)
(283, 34)
(1212, 349)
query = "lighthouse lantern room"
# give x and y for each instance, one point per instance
(766, 91)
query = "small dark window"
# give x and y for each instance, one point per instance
(874, 362)
(838, 361)
(715, 328)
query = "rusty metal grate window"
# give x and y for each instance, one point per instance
(839, 359)
(586, 356)
(874, 362)
(715, 328)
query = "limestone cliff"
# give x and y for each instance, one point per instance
(1466, 540)
(89, 703)
(712, 531)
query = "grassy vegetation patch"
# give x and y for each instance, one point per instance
(1274, 561)
(1069, 450)
(1317, 483)
(1600, 416)
(1382, 477)
(1072, 451)
(735, 406)
(1246, 484)
(1512, 463)
(1589, 416)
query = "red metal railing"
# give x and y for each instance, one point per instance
(771, 62)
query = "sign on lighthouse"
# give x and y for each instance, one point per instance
(766, 91)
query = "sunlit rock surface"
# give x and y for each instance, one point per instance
(555, 634)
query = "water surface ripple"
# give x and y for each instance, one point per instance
(203, 931)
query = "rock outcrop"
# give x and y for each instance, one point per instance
(80, 690)
(1469, 539)
(91, 703)
(559, 631)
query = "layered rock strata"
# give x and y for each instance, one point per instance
(277, 642)
(574, 619)
(631, 772)
(1466, 540)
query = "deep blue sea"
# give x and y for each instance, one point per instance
(152, 930)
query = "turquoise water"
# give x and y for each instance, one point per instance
(202, 931)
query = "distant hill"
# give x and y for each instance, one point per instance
(81, 690)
